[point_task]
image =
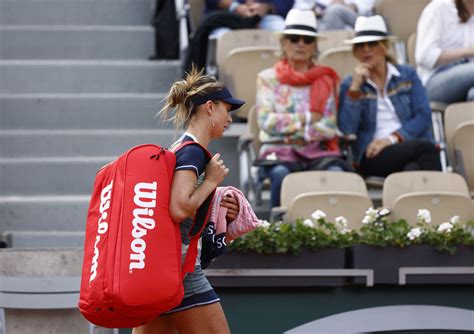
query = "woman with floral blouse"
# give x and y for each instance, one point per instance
(296, 104)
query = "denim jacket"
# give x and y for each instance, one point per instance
(357, 114)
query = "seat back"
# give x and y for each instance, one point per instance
(463, 141)
(253, 128)
(240, 69)
(350, 205)
(411, 45)
(298, 183)
(454, 115)
(333, 39)
(339, 59)
(401, 16)
(398, 184)
(442, 206)
(244, 38)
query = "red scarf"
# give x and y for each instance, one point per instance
(323, 81)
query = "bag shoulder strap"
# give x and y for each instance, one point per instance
(199, 219)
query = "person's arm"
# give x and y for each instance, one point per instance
(448, 56)
(185, 198)
(421, 120)
(324, 127)
(350, 109)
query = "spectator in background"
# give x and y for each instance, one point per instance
(225, 15)
(296, 105)
(386, 106)
(445, 50)
(271, 13)
(337, 14)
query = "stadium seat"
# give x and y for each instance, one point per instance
(239, 72)
(401, 16)
(333, 39)
(244, 38)
(456, 114)
(340, 59)
(443, 194)
(463, 145)
(335, 193)
(411, 44)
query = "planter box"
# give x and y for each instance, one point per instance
(328, 258)
(386, 260)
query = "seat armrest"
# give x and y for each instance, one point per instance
(277, 213)
(245, 140)
(438, 106)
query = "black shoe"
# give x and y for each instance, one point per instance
(3, 244)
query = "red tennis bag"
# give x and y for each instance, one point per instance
(132, 270)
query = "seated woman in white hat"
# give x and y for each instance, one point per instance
(296, 106)
(386, 106)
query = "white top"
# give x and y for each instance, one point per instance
(387, 119)
(364, 7)
(439, 29)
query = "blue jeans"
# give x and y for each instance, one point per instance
(452, 83)
(277, 173)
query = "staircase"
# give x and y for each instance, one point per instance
(76, 90)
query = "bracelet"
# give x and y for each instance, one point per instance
(233, 6)
(393, 139)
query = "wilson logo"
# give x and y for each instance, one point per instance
(102, 225)
(145, 199)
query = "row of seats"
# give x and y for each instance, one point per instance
(458, 131)
(345, 194)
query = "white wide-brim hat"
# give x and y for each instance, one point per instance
(301, 22)
(369, 29)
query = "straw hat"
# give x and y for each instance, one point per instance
(301, 22)
(368, 29)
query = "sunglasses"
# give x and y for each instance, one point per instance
(369, 44)
(296, 38)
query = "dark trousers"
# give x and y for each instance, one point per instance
(408, 155)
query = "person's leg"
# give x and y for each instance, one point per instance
(160, 325)
(452, 85)
(207, 319)
(272, 23)
(337, 17)
(402, 156)
(276, 174)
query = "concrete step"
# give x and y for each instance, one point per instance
(70, 143)
(73, 175)
(81, 111)
(49, 176)
(76, 42)
(44, 213)
(43, 239)
(76, 12)
(99, 76)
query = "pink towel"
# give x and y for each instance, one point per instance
(245, 221)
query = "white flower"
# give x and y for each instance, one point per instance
(370, 216)
(445, 227)
(384, 212)
(414, 233)
(454, 220)
(345, 230)
(341, 221)
(318, 214)
(272, 156)
(423, 216)
(309, 223)
(264, 224)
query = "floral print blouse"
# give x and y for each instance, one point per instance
(279, 108)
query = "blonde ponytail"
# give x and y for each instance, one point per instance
(182, 92)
